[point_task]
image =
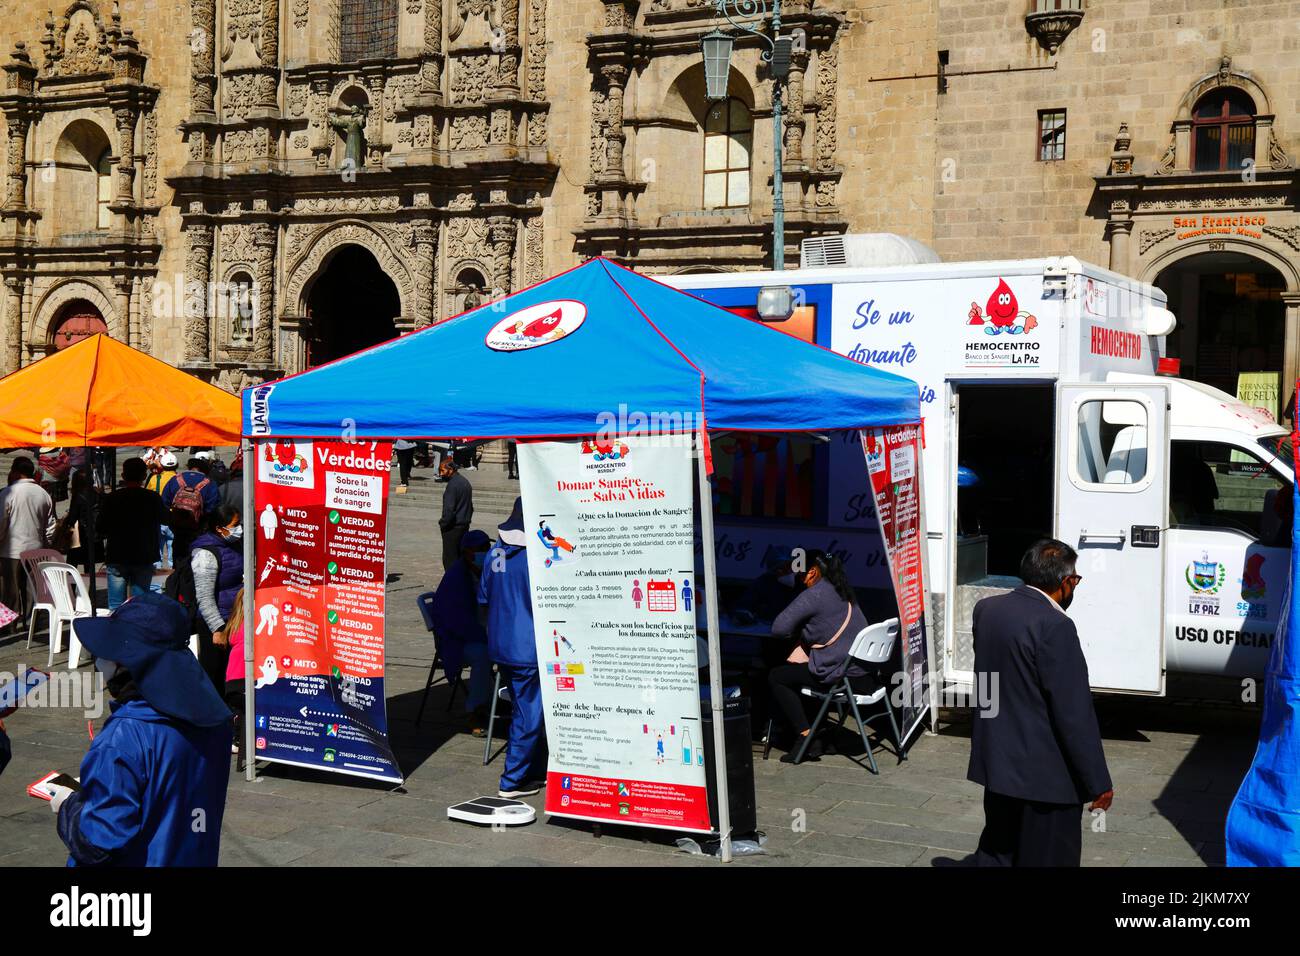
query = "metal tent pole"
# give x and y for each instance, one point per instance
(250, 580)
(715, 647)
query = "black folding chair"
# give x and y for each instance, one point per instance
(426, 611)
(499, 694)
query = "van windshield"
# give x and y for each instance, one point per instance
(1280, 447)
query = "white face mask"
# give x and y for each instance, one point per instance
(106, 667)
(236, 532)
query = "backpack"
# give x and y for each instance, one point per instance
(179, 586)
(187, 504)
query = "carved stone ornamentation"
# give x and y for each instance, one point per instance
(1152, 237)
(535, 88)
(1288, 234)
(467, 238)
(198, 265)
(507, 79)
(502, 232)
(469, 80)
(1277, 156)
(149, 184)
(263, 242)
(425, 240)
(469, 132)
(534, 251)
(615, 75)
(828, 67)
(13, 324)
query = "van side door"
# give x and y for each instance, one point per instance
(1112, 507)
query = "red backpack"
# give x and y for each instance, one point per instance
(187, 504)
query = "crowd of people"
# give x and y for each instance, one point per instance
(175, 715)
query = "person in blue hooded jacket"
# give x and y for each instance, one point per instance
(505, 589)
(153, 784)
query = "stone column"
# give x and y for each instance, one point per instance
(794, 116)
(508, 60)
(16, 195)
(203, 79)
(1118, 232)
(264, 234)
(425, 238)
(125, 118)
(616, 77)
(13, 355)
(1291, 352)
(501, 233)
(431, 67)
(198, 265)
(128, 330)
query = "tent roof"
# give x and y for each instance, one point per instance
(642, 349)
(102, 393)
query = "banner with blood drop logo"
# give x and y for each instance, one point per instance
(320, 521)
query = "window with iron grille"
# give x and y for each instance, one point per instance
(367, 29)
(1051, 135)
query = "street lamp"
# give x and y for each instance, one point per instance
(747, 16)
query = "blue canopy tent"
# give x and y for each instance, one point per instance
(617, 344)
(641, 344)
(1263, 827)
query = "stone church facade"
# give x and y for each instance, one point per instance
(248, 187)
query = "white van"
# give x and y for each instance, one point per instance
(1044, 414)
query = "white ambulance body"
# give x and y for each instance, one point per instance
(1044, 414)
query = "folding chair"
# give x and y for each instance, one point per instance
(499, 693)
(872, 647)
(425, 601)
(39, 595)
(71, 600)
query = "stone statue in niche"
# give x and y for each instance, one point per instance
(352, 127)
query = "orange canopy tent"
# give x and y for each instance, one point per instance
(101, 393)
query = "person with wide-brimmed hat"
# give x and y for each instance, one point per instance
(153, 784)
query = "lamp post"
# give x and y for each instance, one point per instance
(747, 16)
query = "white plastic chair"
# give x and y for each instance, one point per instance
(39, 599)
(71, 600)
(873, 646)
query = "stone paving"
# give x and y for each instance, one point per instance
(1176, 766)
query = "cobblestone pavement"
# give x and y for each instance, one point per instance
(1176, 767)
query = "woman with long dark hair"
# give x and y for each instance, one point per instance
(824, 618)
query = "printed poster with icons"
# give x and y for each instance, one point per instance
(611, 558)
(893, 456)
(318, 621)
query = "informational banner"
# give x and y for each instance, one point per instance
(318, 622)
(610, 527)
(893, 458)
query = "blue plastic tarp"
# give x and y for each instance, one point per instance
(596, 349)
(1263, 826)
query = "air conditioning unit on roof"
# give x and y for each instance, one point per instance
(864, 250)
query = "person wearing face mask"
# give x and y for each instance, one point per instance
(1035, 747)
(217, 564)
(162, 760)
(823, 620)
(462, 640)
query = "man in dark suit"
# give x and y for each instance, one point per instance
(1035, 746)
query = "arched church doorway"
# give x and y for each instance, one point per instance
(76, 321)
(352, 306)
(1231, 328)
